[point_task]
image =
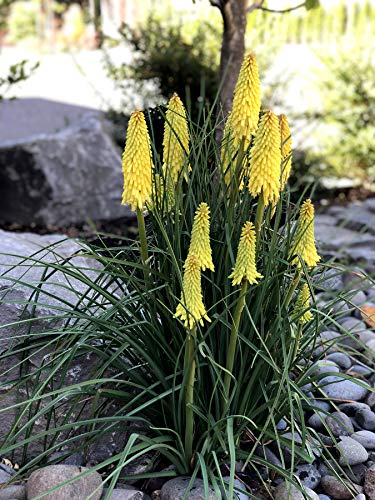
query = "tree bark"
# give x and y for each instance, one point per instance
(232, 48)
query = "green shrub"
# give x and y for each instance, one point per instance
(201, 398)
(176, 62)
(345, 136)
(23, 20)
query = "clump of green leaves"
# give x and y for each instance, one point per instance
(346, 130)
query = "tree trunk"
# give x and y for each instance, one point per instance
(232, 49)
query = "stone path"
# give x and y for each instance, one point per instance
(349, 233)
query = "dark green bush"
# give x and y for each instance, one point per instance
(164, 55)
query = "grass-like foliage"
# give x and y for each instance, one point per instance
(201, 395)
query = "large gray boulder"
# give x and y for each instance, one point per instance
(20, 275)
(61, 178)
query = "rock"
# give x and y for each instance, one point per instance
(340, 359)
(371, 400)
(370, 345)
(238, 495)
(356, 473)
(369, 203)
(366, 438)
(340, 424)
(324, 497)
(338, 388)
(286, 491)
(317, 419)
(358, 298)
(269, 455)
(4, 476)
(321, 405)
(340, 239)
(15, 491)
(175, 488)
(128, 493)
(70, 459)
(281, 425)
(352, 452)
(360, 370)
(309, 475)
(366, 419)
(361, 496)
(48, 477)
(351, 408)
(340, 306)
(353, 325)
(139, 465)
(63, 178)
(310, 447)
(324, 366)
(369, 485)
(336, 489)
(329, 279)
(364, 337)
(357, 218)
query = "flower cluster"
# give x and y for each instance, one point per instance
(262, 142)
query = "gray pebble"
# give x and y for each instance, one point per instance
(321, 405)
(358, 298)
(340, 424)
(175, 489)
(16, 491)
(351, 408)
(340, 389)
(366, 438)
(281, 425)
(128, 493)
(364, 337)
(4, 476)
(340, 306)
(289, 492)
(361, 496)
(365, 371)
(324, 366)
(336, 489)
(366, 419)
(309, 475)
(340, 359)
(324, 497)
(352, 452)
(356, 473)
(354, 325)
(317, 419)
(371, 400)
(48, 477)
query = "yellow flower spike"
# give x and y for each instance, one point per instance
(265, 159)
(175, 139)
(245, 267)
(200, 237)
(137, 163)
(304, 239)
(302, 312)
(191, 307)
(286, 150)
(246, 100)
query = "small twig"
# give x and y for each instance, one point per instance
(265, 9)
(254, 6)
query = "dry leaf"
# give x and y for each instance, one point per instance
(368, 315)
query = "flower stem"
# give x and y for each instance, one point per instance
(233, 340)
(293, 288)
(259, 216)
(142, 235)
(296, 342)
(189, 367)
